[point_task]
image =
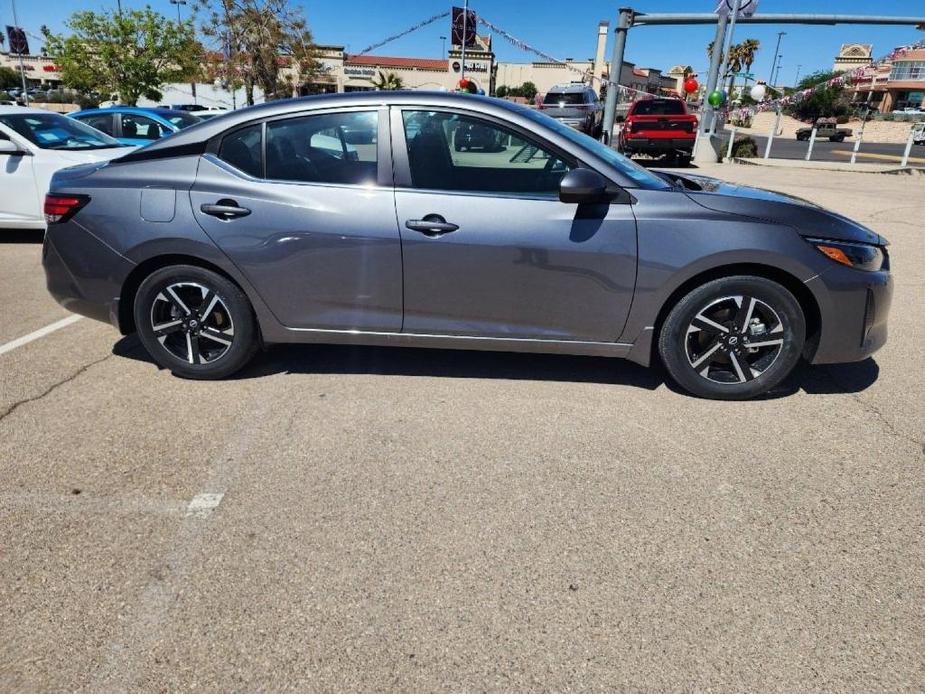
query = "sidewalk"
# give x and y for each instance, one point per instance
(832, 166)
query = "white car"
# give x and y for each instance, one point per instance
(33, 145)
(918, 133)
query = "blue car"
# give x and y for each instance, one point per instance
(131, 125)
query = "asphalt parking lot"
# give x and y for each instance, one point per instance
(354, 518)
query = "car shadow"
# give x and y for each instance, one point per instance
(443, 363)
(22, 235)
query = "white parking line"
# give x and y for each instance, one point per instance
(41, 332)
(202, 505)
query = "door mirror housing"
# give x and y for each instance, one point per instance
(9, 148)
(583, 186)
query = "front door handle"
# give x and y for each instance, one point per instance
(225, 209)
(432, 225)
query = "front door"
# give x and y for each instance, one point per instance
(19, 194)
(311, 223)
(490, 250)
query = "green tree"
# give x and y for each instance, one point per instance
(501, 92)
(387, 82)
(528, 91)
(826, 102)
(9, 78)
(263, 44)
(131, 53)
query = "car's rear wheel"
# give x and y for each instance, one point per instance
(733, 338)
(195, 322)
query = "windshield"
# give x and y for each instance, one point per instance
(54, 131)
(570, 98)
(643, 177)
(182, 119)
(658, 107)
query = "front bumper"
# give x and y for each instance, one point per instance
(82, 273)
(854, 307)
(657, 145)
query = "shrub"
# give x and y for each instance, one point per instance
(841, 120)
(745, 147)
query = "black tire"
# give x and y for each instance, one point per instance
(191, 345)
(740, 363)
(684, 160)
(803, 138)
(837, 138)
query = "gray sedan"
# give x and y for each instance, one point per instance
(353, 219)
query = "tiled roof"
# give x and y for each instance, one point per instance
(391, 61)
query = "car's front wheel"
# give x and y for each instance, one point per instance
(733, 338)
(195, 322)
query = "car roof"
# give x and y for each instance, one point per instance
(140, 110)
(569, 88)
(220, 123)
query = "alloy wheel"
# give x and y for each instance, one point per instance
(734, 339)
(192, 322)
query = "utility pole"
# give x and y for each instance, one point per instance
(780, 34)
(777, 69)
(22, 69)
(624, 22)
(462, 74)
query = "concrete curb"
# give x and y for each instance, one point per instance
(831, 166)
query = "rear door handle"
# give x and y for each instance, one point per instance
(225, 209)
(432, 225)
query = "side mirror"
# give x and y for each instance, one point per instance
(9, 148)
(582, 185)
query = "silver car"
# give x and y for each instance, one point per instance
(267, 226)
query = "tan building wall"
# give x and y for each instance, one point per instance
(38, 69)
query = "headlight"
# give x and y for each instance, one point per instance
(860, 256)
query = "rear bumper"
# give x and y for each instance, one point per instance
(855, 307)
(82, 273)
(657, 145)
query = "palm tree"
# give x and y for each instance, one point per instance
(387, 82)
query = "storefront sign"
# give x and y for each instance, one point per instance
(470, 67)
(361, 72)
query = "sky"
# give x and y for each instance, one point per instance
(562, 29)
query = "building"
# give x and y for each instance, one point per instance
(852, 56)
(894, 85)
(39, 70)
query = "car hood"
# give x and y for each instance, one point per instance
(808, 218)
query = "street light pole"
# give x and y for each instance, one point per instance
(779, 65)
(178, 3)
(465, 29)
(443, 47)
(22, 68)
(796, 80)
(780, 34)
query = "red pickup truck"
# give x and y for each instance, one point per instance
(659, 126)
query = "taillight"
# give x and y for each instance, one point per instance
(60, 208)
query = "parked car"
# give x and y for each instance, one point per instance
(131, 125)
(33, 145)
(470, 137)
(577, 105)
(918, 133)
(558, 243)
(825, 128)
(659, 127)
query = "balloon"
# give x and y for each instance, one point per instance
(691, 85)
(758, 92)
(481, 92)
(716, 98)
(463, 83)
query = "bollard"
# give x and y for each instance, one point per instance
(857, 145)
(732, 139)
(905, 161)
(812, 141)
(767, 149)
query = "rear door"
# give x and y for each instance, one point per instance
(304, 206)
(488, 248)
